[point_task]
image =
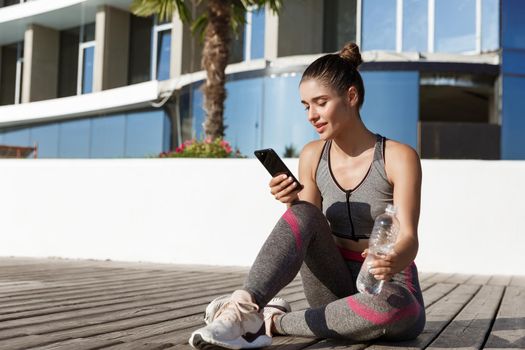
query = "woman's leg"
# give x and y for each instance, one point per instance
(301, 240)
(397, 313)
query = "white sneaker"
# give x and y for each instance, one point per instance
(275, 306)
(235, 324)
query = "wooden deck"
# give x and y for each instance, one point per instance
(79, 305)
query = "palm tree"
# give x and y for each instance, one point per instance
(216, 25)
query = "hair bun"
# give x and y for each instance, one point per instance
(350, 53)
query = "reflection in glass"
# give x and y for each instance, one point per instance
(382, 113)
(513, 122)
(46, 139)
(379, 25)
(415, 25)
(339, 24)
(17, 137)
(87, 69)
(163, 54)
(108, 136)
(145, 132)
(284, 119)
(455, 25)
(489, 25)
(74, 139)
(242, 114)
(257, 39)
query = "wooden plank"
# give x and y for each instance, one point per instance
(438, 316)
(336, 344)
(508, 330)
(435, 293)
(54, 305)
(439, 278)
(458, 278)
(499, 280)
(517, 281)
(472, 324)
(478, 279)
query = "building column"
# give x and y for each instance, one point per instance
(271, 34)
(111, 48)
(40, 72)
(176, 46)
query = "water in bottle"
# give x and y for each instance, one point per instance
(381, 243)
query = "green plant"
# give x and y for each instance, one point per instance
(206, 148)
(290, 152)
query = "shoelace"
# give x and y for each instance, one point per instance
(234, 310)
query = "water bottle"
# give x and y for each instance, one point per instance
(381, 242)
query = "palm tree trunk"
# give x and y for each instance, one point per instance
(214, 59)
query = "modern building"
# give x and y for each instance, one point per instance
(87, 79)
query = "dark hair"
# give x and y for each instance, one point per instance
(339, 71)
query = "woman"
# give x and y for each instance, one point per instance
(350, 175)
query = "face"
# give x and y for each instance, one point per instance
(329, 112)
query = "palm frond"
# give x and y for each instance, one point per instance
(163, 9)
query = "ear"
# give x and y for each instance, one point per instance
(352, 96)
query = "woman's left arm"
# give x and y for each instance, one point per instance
(403, 169)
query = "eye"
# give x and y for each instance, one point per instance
(322, 103)
(306, 108)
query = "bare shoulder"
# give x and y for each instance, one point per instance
(310, 155)
(401, 160)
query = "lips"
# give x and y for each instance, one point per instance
(319, 127)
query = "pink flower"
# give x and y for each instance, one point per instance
(179, 149)
(207, 140)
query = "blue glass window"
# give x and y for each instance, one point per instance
(108, 136)
(489, 25)
(145, 132)
(163, 54)
(513, 30)
(513, 123)
(285, 122)
(197, 111)
(46, 138)
(382, 111)
(74, 139)
(415, 25)
(455, 25)
(379, 25)
(17, 137)
(87, 69)
(243, 114)
(257, 40)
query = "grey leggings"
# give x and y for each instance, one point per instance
(302, 241)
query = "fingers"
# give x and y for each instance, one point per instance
(283, 188)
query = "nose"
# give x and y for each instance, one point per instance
(313, 116)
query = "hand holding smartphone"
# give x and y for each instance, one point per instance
(274, 164)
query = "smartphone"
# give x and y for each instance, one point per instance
(274, 164)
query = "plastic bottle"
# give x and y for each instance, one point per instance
(381, 242)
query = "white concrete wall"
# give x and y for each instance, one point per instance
(220, 211)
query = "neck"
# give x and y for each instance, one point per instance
(356, 140)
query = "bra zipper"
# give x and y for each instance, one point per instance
(348, 193)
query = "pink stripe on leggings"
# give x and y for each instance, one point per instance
(382, 318)
(290, 218)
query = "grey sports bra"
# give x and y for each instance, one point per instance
(351, 213)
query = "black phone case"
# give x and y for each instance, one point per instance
(274, 164)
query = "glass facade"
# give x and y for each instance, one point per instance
(339, 24)
(265, 111)
(378, 25)
(257, 34)
(455, 25)
(163, 54)
(140, 133)
(88, 60)
(415, 25)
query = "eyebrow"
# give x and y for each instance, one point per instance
(315, 99)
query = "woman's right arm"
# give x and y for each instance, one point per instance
(283, 189)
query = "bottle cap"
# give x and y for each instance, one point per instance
(391, 209)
